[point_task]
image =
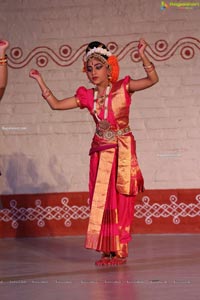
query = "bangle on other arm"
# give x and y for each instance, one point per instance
(150, 68)
(46, 94)
(3, 60)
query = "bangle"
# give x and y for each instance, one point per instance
(150, 68)
(150, 71)
(3, 60)
(151, 65)
(46, 94)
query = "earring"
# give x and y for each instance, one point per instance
(109, 77)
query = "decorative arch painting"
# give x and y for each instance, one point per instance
(186, 47)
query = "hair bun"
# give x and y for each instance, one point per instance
(113, 63)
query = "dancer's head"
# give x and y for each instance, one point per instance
(98, 51)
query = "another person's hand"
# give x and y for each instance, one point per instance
(4, 44)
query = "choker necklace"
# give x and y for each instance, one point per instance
(103, 124)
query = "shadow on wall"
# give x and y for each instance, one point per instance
(21, 175)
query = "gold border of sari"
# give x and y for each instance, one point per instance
(99, 197)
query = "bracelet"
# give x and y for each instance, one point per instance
(149, 66)
(46, 94)
(150, 71)
(3, 60)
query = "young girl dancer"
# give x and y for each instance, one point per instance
(115, 177)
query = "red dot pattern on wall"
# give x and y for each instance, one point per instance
(186, 47)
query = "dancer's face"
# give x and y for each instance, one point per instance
(97, 72)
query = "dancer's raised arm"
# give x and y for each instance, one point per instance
(3, 66)
(152, 76)
(54, 103)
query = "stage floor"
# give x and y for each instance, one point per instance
(159, 267)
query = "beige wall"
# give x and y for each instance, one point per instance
(47, 151)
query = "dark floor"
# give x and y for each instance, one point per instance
(159, 267)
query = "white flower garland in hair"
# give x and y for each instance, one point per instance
(99, 50)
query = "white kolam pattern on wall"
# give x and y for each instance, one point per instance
(147, 210)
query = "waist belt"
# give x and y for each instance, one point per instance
(110, 134)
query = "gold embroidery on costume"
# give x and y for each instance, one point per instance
(99, 198)
(129, 179)
(124, 165)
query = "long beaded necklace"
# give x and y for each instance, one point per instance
(103, 124)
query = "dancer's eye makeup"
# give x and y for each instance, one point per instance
(97, 66)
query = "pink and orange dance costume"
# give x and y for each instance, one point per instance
(115, 177)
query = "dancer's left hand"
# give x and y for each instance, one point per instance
(142, 46)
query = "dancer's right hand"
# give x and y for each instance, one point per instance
(34, 74)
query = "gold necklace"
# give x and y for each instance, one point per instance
(102, 124)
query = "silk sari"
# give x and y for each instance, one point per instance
(115, 177)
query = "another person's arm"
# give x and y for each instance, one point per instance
(3, 66)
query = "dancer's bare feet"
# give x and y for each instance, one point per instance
(104, 260)
(110, 259)
(116, 261)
